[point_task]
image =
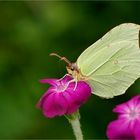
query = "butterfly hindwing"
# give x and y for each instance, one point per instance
(113, 62)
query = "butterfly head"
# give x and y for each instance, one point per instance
(71, 67)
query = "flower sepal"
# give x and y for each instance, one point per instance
(73, 116)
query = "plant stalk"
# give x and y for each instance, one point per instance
(74, 120)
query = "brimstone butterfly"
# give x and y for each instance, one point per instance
(111, 64)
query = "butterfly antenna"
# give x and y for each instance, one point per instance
(61, 58)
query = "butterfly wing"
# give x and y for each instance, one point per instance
(113, 62)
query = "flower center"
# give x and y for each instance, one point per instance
(61, 88)
(133, 114)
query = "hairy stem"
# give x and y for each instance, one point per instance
(74, 120)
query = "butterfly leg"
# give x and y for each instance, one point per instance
(64, 76)
(76, 83)
(73, 81)
(76, 79)
(75, 86)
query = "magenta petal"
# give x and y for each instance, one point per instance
(52, 82)
(72, 105)
(54, 105)
(125, 107)
(45, 95)
(128, 124)
(76, 97)
(83, 92)
(122, 108)
(47, 106)
(119, 129)
(137, 131)
(135, 101)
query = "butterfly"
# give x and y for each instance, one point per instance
(112, 64)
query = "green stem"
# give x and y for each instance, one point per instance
(74, 120)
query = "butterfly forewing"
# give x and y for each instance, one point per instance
(113, 62)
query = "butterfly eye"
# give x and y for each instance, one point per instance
(72, 68)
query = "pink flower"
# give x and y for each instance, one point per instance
(127, 126)
(63, 97)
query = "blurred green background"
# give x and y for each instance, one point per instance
(29, 32)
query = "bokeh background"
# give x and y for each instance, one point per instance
(29, 32)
